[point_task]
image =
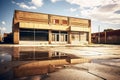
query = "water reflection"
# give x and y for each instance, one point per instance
(31, 61)
(30, 54)
(36, 61)
(5, 57)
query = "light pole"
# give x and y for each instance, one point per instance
(98, 34)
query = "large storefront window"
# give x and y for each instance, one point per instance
(33, 35)
(41, 35)
(26, 34)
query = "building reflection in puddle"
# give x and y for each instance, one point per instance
(35, 54)
(29, 63)
(36, 61)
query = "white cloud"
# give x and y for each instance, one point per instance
(3, 22)
(34, 4)
(2, 28)
(53, 1)
(85, 3)
(37, 3)
(101, 10)
(23, 5)
(92, 3)
(109, 8)
(106, 13)
(76, 15)
(73, 9)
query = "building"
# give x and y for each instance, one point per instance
(8, 38)
(0, 38)
(108, 37)
(39, 28)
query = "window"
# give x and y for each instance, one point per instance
(26, 34)
(64, 21)
(33, 35)
(56, 21)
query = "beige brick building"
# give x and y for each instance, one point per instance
(39, 28)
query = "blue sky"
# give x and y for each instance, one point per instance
(103, 13)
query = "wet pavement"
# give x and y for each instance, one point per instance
(60, 63)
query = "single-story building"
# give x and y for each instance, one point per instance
(109, 37)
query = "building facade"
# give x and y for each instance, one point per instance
(0, 38)
(39, 28)
(107, 37)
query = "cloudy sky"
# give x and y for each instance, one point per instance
(103, 13)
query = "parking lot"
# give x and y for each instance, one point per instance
(104, 63)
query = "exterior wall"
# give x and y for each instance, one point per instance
(109, 37)
(16, 35)
(78, 22)
(32, 20)
(0, 38)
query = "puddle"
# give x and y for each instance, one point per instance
(5, 57)
(27, 62)
(38, 55)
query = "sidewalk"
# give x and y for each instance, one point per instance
(59, 45)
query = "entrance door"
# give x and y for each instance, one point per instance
(55, 37)
(63, 37)
(59, 37)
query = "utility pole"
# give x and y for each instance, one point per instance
(105, 37)
(99, 34)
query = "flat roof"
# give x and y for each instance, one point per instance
(112, 32)
(52, 14)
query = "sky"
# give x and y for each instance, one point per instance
(103, 13)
